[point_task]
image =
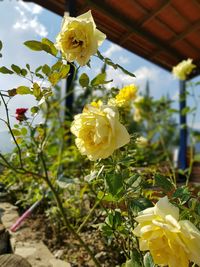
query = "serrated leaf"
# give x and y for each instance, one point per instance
(23, 90)
(16, 68)
(51, 45)
(84, 80)
(163, 182)
(5, 70)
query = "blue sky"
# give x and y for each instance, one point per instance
(28, 21)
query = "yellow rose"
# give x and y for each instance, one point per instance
(126, 95)
(171, 242)
(98, 131)
(183, 69)
(79, 38)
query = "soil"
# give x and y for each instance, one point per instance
(64, 247)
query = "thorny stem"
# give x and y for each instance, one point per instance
(9, 127)
(62, 211)
(89, 215)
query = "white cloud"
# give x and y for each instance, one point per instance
(123, 60)
(111, 50)
(119, 78)
(34, 9)
(28, 19)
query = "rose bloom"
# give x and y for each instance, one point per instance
(171, 242)
(20, 114)
(98, 131)
(183, 69)
(79, 38)
(126, 95)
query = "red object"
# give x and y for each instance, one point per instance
(20, 114)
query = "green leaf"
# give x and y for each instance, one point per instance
(99, 79)
(16, 68)
(84, 80)
(54, 78)
(57, 65)
(34, 45)
(5, 70)
(24, 131)
(109, 62)
(114, 183)
(24, 72)
(148, 260)
(140, 204)
(23, 90)
(51, 45)
(1, 45)
(34, 109)
(16, 132)
(28, 66)
(12, 92)
(135, 259)
(183, 194)
(46, 69)
(64, 71)
(163, 182)
(36, 90)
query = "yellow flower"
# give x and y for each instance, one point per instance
(79, 38)
(183, 69)
(171, 242)
(126, 95)
(98, 131)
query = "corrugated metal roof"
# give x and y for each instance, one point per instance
(164, 32)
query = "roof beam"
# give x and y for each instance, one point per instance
(153, 13)
(132, 27)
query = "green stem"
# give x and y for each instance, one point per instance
(88, 216)
(62, 211)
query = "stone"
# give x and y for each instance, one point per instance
(59, 263)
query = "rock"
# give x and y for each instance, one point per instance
(59, 263)
(4, 241)
(58, 253)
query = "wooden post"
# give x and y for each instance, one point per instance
(70, 6)
(183, 129)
